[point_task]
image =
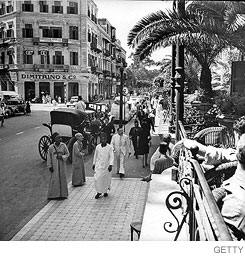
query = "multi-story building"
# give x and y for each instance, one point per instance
(59, 48)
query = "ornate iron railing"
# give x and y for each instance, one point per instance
(200, 212)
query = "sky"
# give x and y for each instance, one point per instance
(124, 14)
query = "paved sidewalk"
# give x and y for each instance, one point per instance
(81, 217)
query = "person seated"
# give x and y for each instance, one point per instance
(232, 191)
(160, 161)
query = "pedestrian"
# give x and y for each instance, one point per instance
(120, 143)
(80, 104)
(144, 140)
(2, 111)
(164, 118)
(28, 108)
(232, 192)
(54, 102)
(108, 129)
(78, 170)
(59, 100)
(134, 135)
(102, 165)
(160, 161)
(56, 160)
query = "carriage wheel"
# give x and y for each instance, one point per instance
(43, 146)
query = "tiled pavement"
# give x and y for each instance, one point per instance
(81, 217)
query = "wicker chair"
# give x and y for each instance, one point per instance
(218, 174)
(214, 136)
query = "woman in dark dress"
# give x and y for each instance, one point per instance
(134, 137)
(144, 139)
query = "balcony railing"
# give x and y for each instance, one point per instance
(7, 41)
(51, 67)
(199, 208)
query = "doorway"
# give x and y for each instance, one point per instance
(72, 89)
(29, 90)
(44, 88)
(59, 91)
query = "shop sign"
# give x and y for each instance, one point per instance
(46, 76)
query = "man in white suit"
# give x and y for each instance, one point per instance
(120, 144)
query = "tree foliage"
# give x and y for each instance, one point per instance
(207, 28)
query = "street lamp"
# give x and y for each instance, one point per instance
(121, 96)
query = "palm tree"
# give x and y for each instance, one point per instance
(207, 29)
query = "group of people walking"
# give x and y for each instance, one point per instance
(113, 148)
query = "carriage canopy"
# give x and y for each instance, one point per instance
(72, 117)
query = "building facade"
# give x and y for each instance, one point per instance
(59, 48)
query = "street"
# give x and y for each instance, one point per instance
(24, 176)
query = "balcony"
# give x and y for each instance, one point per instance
(13, 66)
(106, 52)
(51, 67)
(51, 41)
(113, 39)
(4, 66)
(7, 41)
(118, 59)
(107, 73)
(96, 69)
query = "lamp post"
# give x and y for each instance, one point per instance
(121, 97)
(179, 73)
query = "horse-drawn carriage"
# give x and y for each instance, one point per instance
(67, 122)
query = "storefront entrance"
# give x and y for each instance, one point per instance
(29, 90)
(59, 91)
(44, 88)
(72, 89)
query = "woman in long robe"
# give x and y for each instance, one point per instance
(78, 170)
(56, 161)
(102, 165)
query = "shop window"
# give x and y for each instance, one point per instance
(27, 32)
(27, 6)
(58, 59)
(28, 56)
(72, 8)
(74, 58)
(43, 7)
(57, 8)
(73, 32)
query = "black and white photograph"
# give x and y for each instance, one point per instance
(123, 121)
